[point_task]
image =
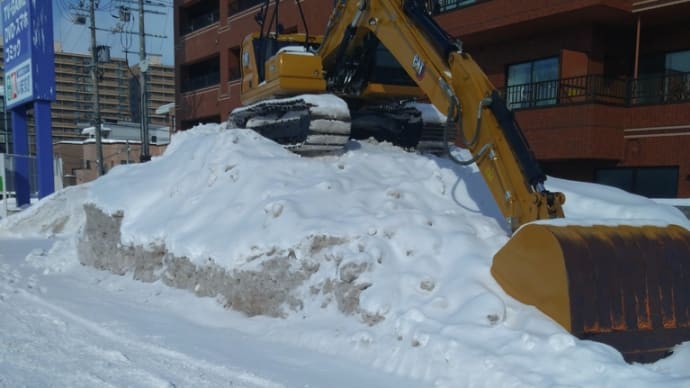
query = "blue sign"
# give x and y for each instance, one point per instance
(28, 51)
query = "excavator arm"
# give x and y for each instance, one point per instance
(456, 86)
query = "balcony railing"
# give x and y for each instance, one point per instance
(436, 7)
(200, 82)
(597, 89)
(200, 21)
(671, 88)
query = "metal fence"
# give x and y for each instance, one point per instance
(8, 166)
(197, 82)
(663, 89)
(671, 88)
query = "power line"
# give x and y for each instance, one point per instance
(142, 7)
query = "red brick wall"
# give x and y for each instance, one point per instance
(574, 141)
(660, 136)
(513, 16)
(574, 132)
(113, 155)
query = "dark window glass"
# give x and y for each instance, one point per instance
(449, 5)
(533, 83)
(201, 75)
(387, 70)
(199, 15)
(619, 177)
(652, 182)
(677, 83)
(240, 5)
(664, 78)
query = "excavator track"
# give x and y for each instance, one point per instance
(306, 125)
(436, 134)
(414, 126)
(310, 125)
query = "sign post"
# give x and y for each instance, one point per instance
(3, 187)
(29, 60)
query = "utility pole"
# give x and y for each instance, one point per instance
(144, 104)
(94, 79)
(5, 122)
(144, 64)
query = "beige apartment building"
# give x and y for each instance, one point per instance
(119, 94)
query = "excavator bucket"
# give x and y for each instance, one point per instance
(625, 286)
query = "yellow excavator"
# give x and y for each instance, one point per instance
(385, 68)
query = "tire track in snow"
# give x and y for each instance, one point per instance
(69, 342)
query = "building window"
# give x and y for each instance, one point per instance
(652, 182)
(678, 62)
(664, 78)
(236, 6)
(201, 75)
(533, 83)
(677, 85)
(199, 15)
(438, 6)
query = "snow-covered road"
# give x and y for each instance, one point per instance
(79, 327)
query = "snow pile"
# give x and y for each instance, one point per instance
(378, 254)
(60, 214)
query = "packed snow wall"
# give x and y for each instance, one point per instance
(271, 289)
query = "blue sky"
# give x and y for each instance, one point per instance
(76, 38)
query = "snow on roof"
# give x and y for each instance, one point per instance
(165, 108)
(91, 131)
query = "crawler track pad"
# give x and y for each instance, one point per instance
(305, 125)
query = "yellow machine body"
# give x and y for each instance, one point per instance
(287, 72)
(291, 72)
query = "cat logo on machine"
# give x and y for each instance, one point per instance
(418, 66)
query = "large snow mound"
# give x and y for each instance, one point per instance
(417, 232)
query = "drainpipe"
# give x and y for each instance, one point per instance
(637, 49)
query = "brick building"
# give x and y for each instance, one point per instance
(121, 144)
(82, 154)
(601, 88)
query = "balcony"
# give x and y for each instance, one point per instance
(597, 89)
(587, 116)
(200, 75)
(200, 82)
(198, 16)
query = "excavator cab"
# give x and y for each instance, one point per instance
(280, 65)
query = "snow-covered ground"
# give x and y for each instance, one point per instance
(413, 237)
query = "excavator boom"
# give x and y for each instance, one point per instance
(626, 286)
